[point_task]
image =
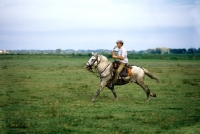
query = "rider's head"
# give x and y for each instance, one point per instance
(119, 43)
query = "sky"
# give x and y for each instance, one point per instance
(98, 24)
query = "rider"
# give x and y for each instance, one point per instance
(123, 60)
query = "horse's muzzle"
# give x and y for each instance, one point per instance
(88, 67)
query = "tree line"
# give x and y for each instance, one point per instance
(103, 51)
(169, 51)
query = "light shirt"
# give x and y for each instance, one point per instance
(122, 52)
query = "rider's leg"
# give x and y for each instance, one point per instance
(120, 68)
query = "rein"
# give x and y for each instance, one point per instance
(98, 62)
(104, 68)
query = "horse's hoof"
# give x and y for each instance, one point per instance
(116, 99)
(148, 101)
(152, 95)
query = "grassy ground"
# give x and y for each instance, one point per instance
(51, 94)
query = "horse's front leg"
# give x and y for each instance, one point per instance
(114, 93)
(102, 85)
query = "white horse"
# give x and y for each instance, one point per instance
(105, 70)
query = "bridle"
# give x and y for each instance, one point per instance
(89, 66)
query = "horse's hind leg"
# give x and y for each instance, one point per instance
(145, 88)
(151, 94)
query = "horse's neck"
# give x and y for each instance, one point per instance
(103, 63)
(103, 58)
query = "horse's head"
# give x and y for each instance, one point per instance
(93, 61)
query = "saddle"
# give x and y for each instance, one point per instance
(126, 70)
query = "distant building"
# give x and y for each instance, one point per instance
(3, 52)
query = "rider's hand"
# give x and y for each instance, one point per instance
(114, 56)
(113, 53)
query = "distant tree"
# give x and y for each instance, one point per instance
(141, 52)
(171, 51)
(133, 51)
(178, 51)
(151, 51)
(191, 50)
(73, 54)
(148, 51)
(198, 51)
(89, 54)
(158, 51)
(51, 52)
(79, 54)
(58, 51)
(183, 51)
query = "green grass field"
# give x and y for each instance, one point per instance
(51, 94)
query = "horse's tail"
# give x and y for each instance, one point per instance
(151, 75)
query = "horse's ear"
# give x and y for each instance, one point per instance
(94, 54)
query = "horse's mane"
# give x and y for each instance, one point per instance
(104, 57)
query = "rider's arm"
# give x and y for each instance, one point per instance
(117, 57)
